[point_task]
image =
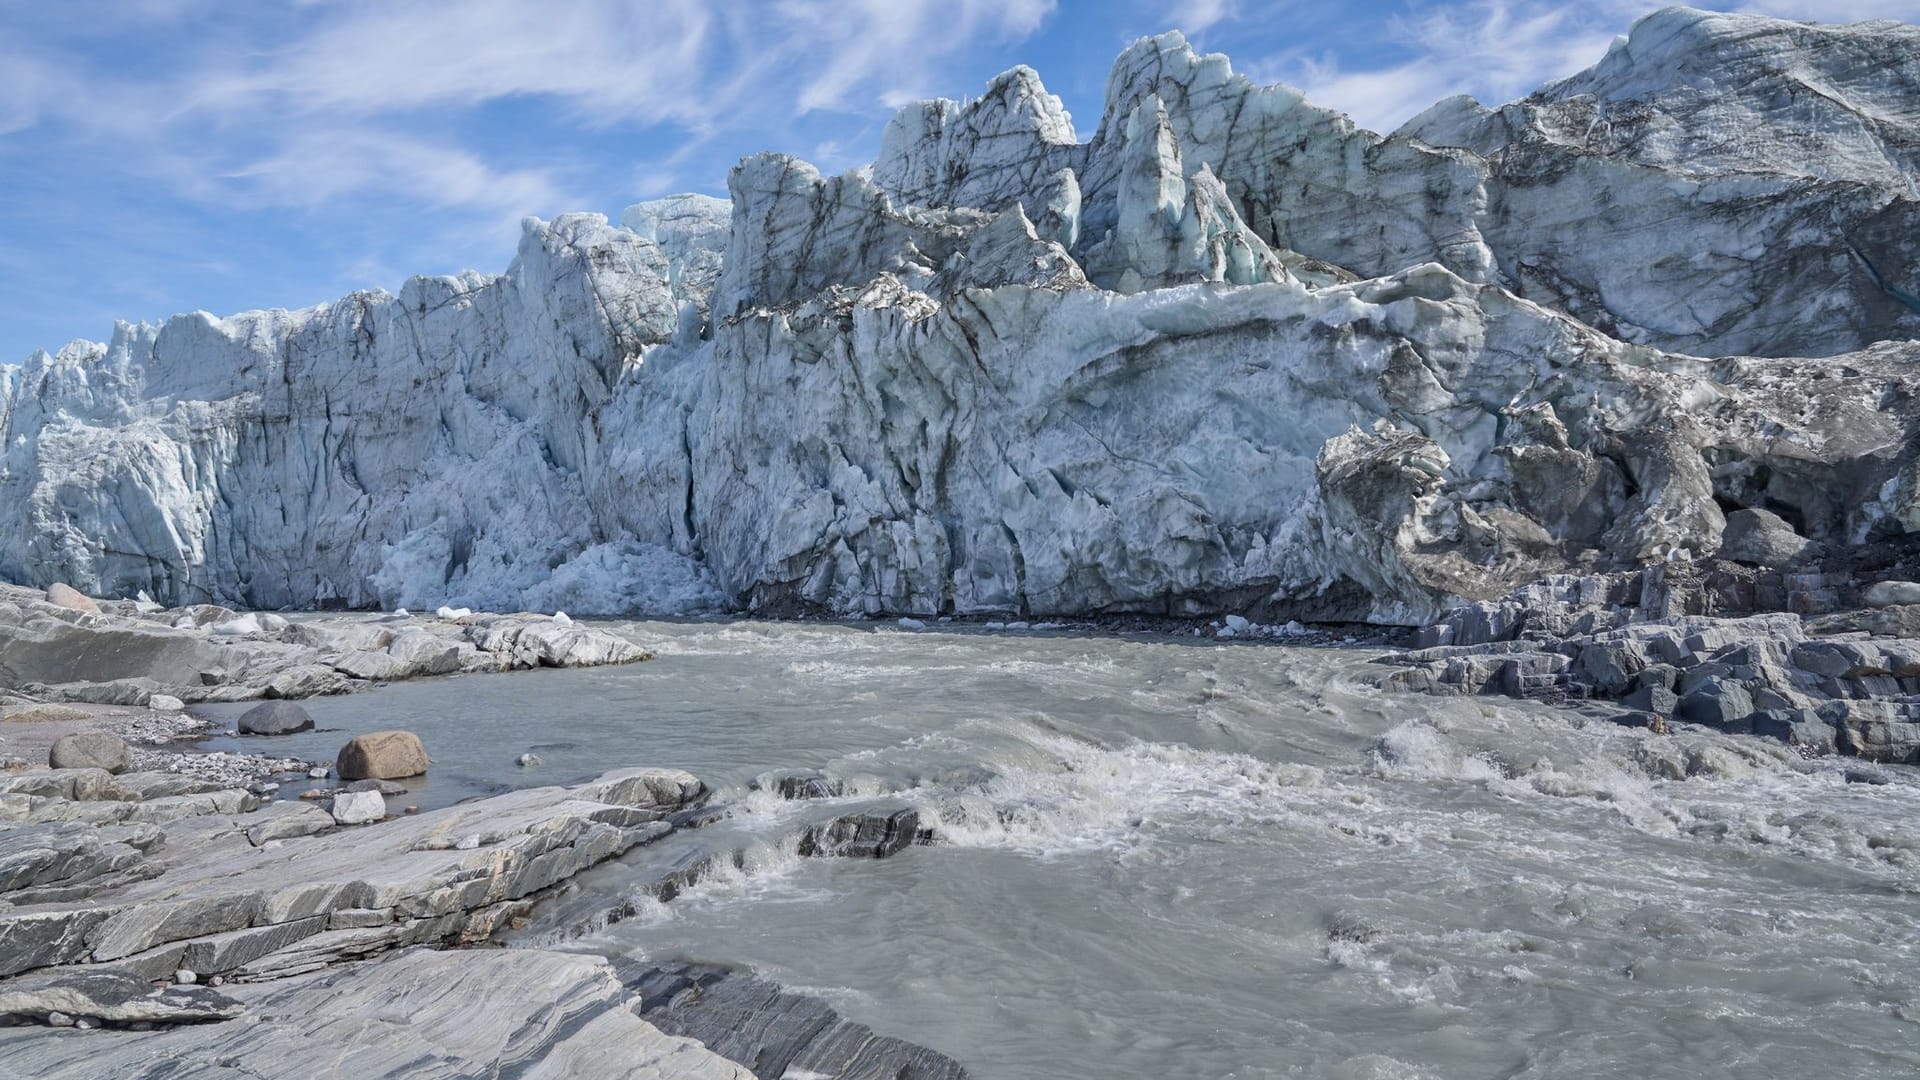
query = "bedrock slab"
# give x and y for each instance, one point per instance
(237, 891)
(420, 1014)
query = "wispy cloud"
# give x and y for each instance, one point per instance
(356, 97)
(316, 167)
(1199, 16)
(613, 59)
(1496, 50)
(894, 41)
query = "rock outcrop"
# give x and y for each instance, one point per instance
(1673, 645)
(169, 657)
(1229, 353)
(92, 884)
(419, 1014)
(751, 1021)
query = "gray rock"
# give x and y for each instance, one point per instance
(295, 820)
(359, 807)
(275, 718)
(527, 761)
(519, 1012)
(384, 787)
(1888, 593)
(90, 750)
(802, 784)
(1865, 774)
(184, 975)
(1717, 703)
(776, 1033)
(873, 835)
(165, 703)
(307, 680)
(1760, 538)
(1655, 699)
(382, 755)
(60, 853)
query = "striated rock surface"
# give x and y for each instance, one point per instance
(1229, 353)
(419, 1014)
(751, 1021)
(89, 881)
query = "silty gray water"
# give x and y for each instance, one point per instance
(1164, 859)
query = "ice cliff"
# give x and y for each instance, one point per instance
(1228, 353)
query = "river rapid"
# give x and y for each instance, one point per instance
(1157, 857)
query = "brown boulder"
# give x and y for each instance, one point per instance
(382, 755)
(63, 595)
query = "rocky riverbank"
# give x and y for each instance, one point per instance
(60, 646)
(1825, 659)
(132, 906)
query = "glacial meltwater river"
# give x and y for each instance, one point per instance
(1163, 859)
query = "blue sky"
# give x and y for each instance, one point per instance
(159, 156)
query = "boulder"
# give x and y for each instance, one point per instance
(296, 821)
(1654, 698)
(871, 835)
(90, 750)
(275, 718)
(1716, 702)
(382, 755)
(1760, 538)
(1888, 593)
(307, 680)
(359, 807)
(165, 703)
(63, 595)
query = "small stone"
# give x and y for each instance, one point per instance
(359, 807)
(217, 980)
(59, 1019)
(315, 794)
(90, 750)
(317, 774)
(60, 594)
(185, 977)
(384, 787)
(411, 810)
(87, 1023)
(275, 718)
(382, 755)
(165, 703)
(527, 761)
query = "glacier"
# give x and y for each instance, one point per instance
(1229, 353)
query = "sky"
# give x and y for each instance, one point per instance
(159, 156)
